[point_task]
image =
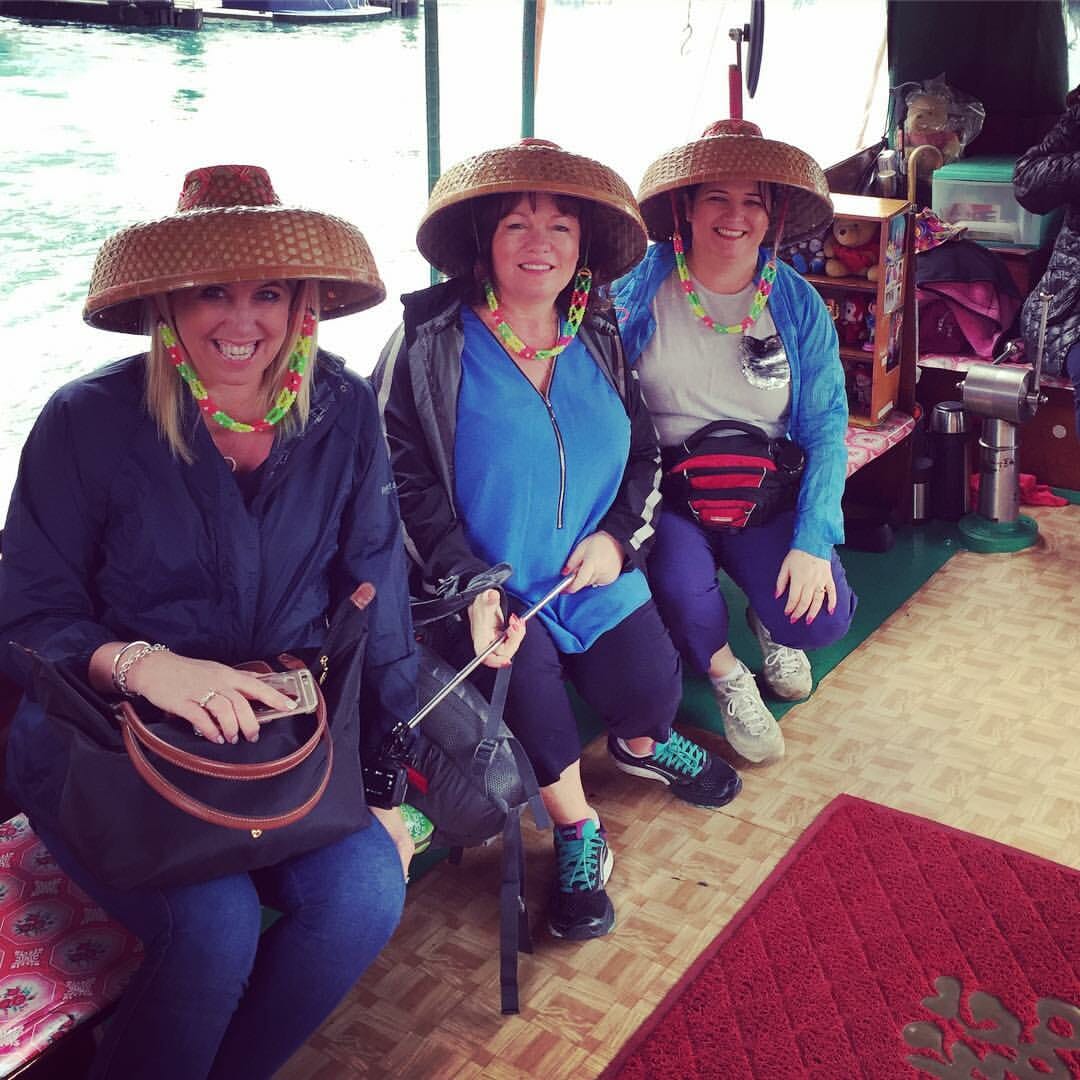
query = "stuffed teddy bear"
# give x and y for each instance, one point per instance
(927, 122)
(851, 249)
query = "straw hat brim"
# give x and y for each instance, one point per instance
(221, 245)
(446, 236)
(717, 158)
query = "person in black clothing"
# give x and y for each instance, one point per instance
(1048, 177)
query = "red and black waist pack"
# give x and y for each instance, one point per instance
(730, 475)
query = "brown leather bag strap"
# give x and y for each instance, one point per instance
(137, 735)
(182, 801)
(224, 770)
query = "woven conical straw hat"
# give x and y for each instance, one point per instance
(447, 233)
(230, 226)
(735, 149)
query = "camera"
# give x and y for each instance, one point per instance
(387, 779)
(385, 784)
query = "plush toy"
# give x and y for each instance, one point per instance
(851, 328)
(851, 249)
(936, 114)
(864, 389)
(860, 388)
(927, 122)
(871, 324)
(805, 256)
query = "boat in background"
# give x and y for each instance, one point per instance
(287, 6)
(309, 11)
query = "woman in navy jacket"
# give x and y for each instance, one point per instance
(157, 537)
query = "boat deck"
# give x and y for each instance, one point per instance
(960, 706)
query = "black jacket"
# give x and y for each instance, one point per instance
(1047, 177)
(417, 381)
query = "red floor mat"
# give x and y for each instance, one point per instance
(882, 946)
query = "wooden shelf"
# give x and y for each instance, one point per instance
(867, 207)
(848, 353)
(846, 284)
(880, 381)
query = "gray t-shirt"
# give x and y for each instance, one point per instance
(691, 375)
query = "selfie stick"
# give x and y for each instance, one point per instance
(477, 660)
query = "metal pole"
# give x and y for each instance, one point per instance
(528, 71)
(431, 84)
(480, 657)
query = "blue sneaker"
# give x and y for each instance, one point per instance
(580, 908)
(693, 774)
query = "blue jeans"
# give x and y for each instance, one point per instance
(682, 573)
(213, 998)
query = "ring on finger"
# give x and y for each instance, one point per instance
(205, 699)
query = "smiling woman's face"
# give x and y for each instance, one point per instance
(233, 332)
(729, 220)
(534, 250)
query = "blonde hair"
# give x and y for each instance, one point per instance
(165, 390)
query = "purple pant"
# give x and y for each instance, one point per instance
(682, 573)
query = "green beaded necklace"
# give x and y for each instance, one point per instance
(574, 316)
(761, 294)
(757, 304)
(294, 377)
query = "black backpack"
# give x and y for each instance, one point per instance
(470, 775)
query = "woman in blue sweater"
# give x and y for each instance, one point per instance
(517, 435)
(717, 329)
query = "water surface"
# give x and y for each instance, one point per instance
(100, 125)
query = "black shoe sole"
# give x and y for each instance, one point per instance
(689, 796)
(595, 928)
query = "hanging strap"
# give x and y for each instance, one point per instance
(514, 936)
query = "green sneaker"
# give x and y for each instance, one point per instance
(421, 827)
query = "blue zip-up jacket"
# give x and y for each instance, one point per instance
(418, 379)
(110, 537)
(819, 414)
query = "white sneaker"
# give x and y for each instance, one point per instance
(786, 671)
(749, 727)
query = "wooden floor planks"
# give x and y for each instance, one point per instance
(962, 706)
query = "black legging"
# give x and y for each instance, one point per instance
(631, 677)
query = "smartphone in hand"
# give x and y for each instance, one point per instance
(298, 685)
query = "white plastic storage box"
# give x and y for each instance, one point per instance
(978, 193)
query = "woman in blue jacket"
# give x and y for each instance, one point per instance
(719, 330)
(517, 435)
(160, 533)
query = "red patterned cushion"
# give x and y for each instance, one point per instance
(62, 959)
(864, 444)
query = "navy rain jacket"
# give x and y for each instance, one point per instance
(110, 537)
